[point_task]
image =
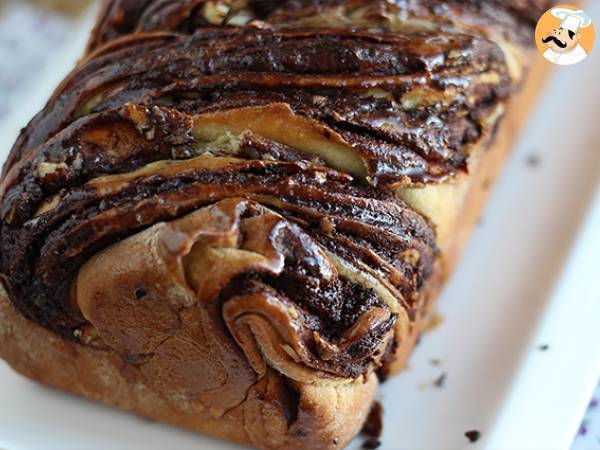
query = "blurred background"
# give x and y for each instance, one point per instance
(40, 39)
(32, 34)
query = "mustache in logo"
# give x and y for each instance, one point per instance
(558, 42)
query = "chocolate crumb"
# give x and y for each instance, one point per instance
(383, 374)
(140, 293)
(533, 160)
(374, 423)
(371, 443)
(335, 441)
(145, 419)
(544, 347)
(473, 435)
(439, 382)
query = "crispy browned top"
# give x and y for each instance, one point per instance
(313, 111)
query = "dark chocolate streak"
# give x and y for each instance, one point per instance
(410, 104)
(227, 69)
(514, 18)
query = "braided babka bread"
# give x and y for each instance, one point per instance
(234, 215)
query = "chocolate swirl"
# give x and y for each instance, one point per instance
(513, 18)
(399, 108)
(269, 136)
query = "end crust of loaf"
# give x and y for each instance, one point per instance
(324, 416)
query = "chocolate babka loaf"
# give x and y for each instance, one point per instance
(234, 215)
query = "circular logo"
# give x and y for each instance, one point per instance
(565, 35)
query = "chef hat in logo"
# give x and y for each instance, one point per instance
(572, 20)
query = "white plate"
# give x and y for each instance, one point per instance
(528, 278)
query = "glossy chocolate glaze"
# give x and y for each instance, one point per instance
(120, 147)
(438, 84)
